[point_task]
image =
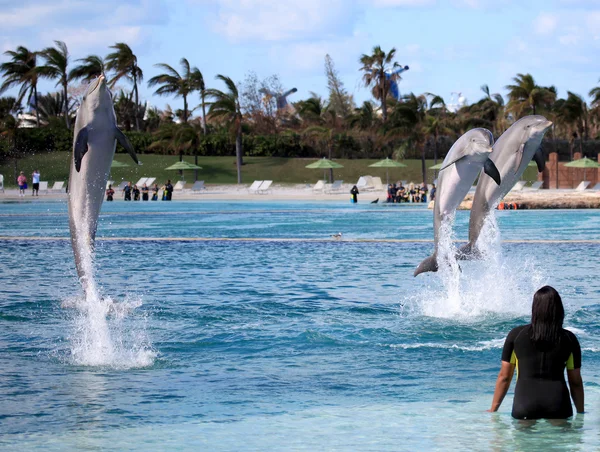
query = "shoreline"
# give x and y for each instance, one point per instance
(525, 199)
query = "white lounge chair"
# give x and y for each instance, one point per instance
(537, 185)
(44, 186)
(198, 186)
(150, 181)
(596, 187)
(254, 187)
(58, 186)
(265, 187)
(377, 184)
(582, 185)
(180, 185)
(365, 183)
(2, 183)
(109, 182)
(141, 182)
(319, 186)
(336, 187)
(519, 185)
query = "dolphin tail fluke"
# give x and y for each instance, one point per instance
(124, 141)
(468, 252)
(428, 265)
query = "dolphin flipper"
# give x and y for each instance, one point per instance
(124, 141)
(538, 157)
(428, 265)
(80, 147)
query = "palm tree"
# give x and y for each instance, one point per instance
(575, 112)
(179, 85)
(124, 63)
(378, 71)
(21, 70)
(57, 61)
(226, 105)
(90, 68)
(200, 86)
(527, 97)
(595, 94)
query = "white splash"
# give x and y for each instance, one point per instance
(497, 284)
(105, 333)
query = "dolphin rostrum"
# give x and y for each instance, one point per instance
(460, 168)
(94, 142)
(512, 153)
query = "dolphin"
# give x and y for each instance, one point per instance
(512, 153)
(94, 143)
(465, 159)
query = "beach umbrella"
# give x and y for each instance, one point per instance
(324, 164)
(117, 164)
(182, 166)
(584, 163)
(437, 167)
(387, 163)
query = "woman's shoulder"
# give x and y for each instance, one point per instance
(516, 331)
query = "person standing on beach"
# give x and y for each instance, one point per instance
(109, 193)
(127, 191)
(145, 191)
(35, 180)
(22, 183)
(540, 351)
(168, 191)
(155, 192)
(354, 192)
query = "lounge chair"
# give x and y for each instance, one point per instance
(2, 183)
(319, 186)
(519, 185)
(336, 187)
(141, 182)
(377, 184)
(43, 186)
(180, 185)
(58, 186)
(150, 181)
(596, 187)
(254, 187)
(365, 183)
(109, 182)
(264, 187)
(537, 185)
(583, 185)
(198, 186)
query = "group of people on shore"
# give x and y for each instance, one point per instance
(35, 180)
(142, 193)
(397, 193)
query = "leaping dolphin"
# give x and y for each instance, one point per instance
(94, 142)
(465, 159)
(512, 153)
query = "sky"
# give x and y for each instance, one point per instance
(450, 45)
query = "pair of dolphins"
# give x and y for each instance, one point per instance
(505, 161)
(94, 143)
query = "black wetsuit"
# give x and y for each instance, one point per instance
(541, 390)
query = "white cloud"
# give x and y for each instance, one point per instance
(269, 20)
(82, 40)
(545, 23)
(570, 39)
(392, 3)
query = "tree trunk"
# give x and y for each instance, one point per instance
(137, 102)
(67, 122)
(181, 160)
(203, 113)
(383, 100)
(35, 101)
(238, 151)
(330, 169)
(196, 163)
(185, 113)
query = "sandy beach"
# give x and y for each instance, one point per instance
(526, 198)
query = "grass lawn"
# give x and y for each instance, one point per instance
(219, 170)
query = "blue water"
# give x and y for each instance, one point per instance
(297, 342)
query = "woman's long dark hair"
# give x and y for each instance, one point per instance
(547, 315)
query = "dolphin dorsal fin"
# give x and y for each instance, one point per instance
(80, 147)
(124, 141)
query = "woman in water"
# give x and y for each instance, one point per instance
(540, 351)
